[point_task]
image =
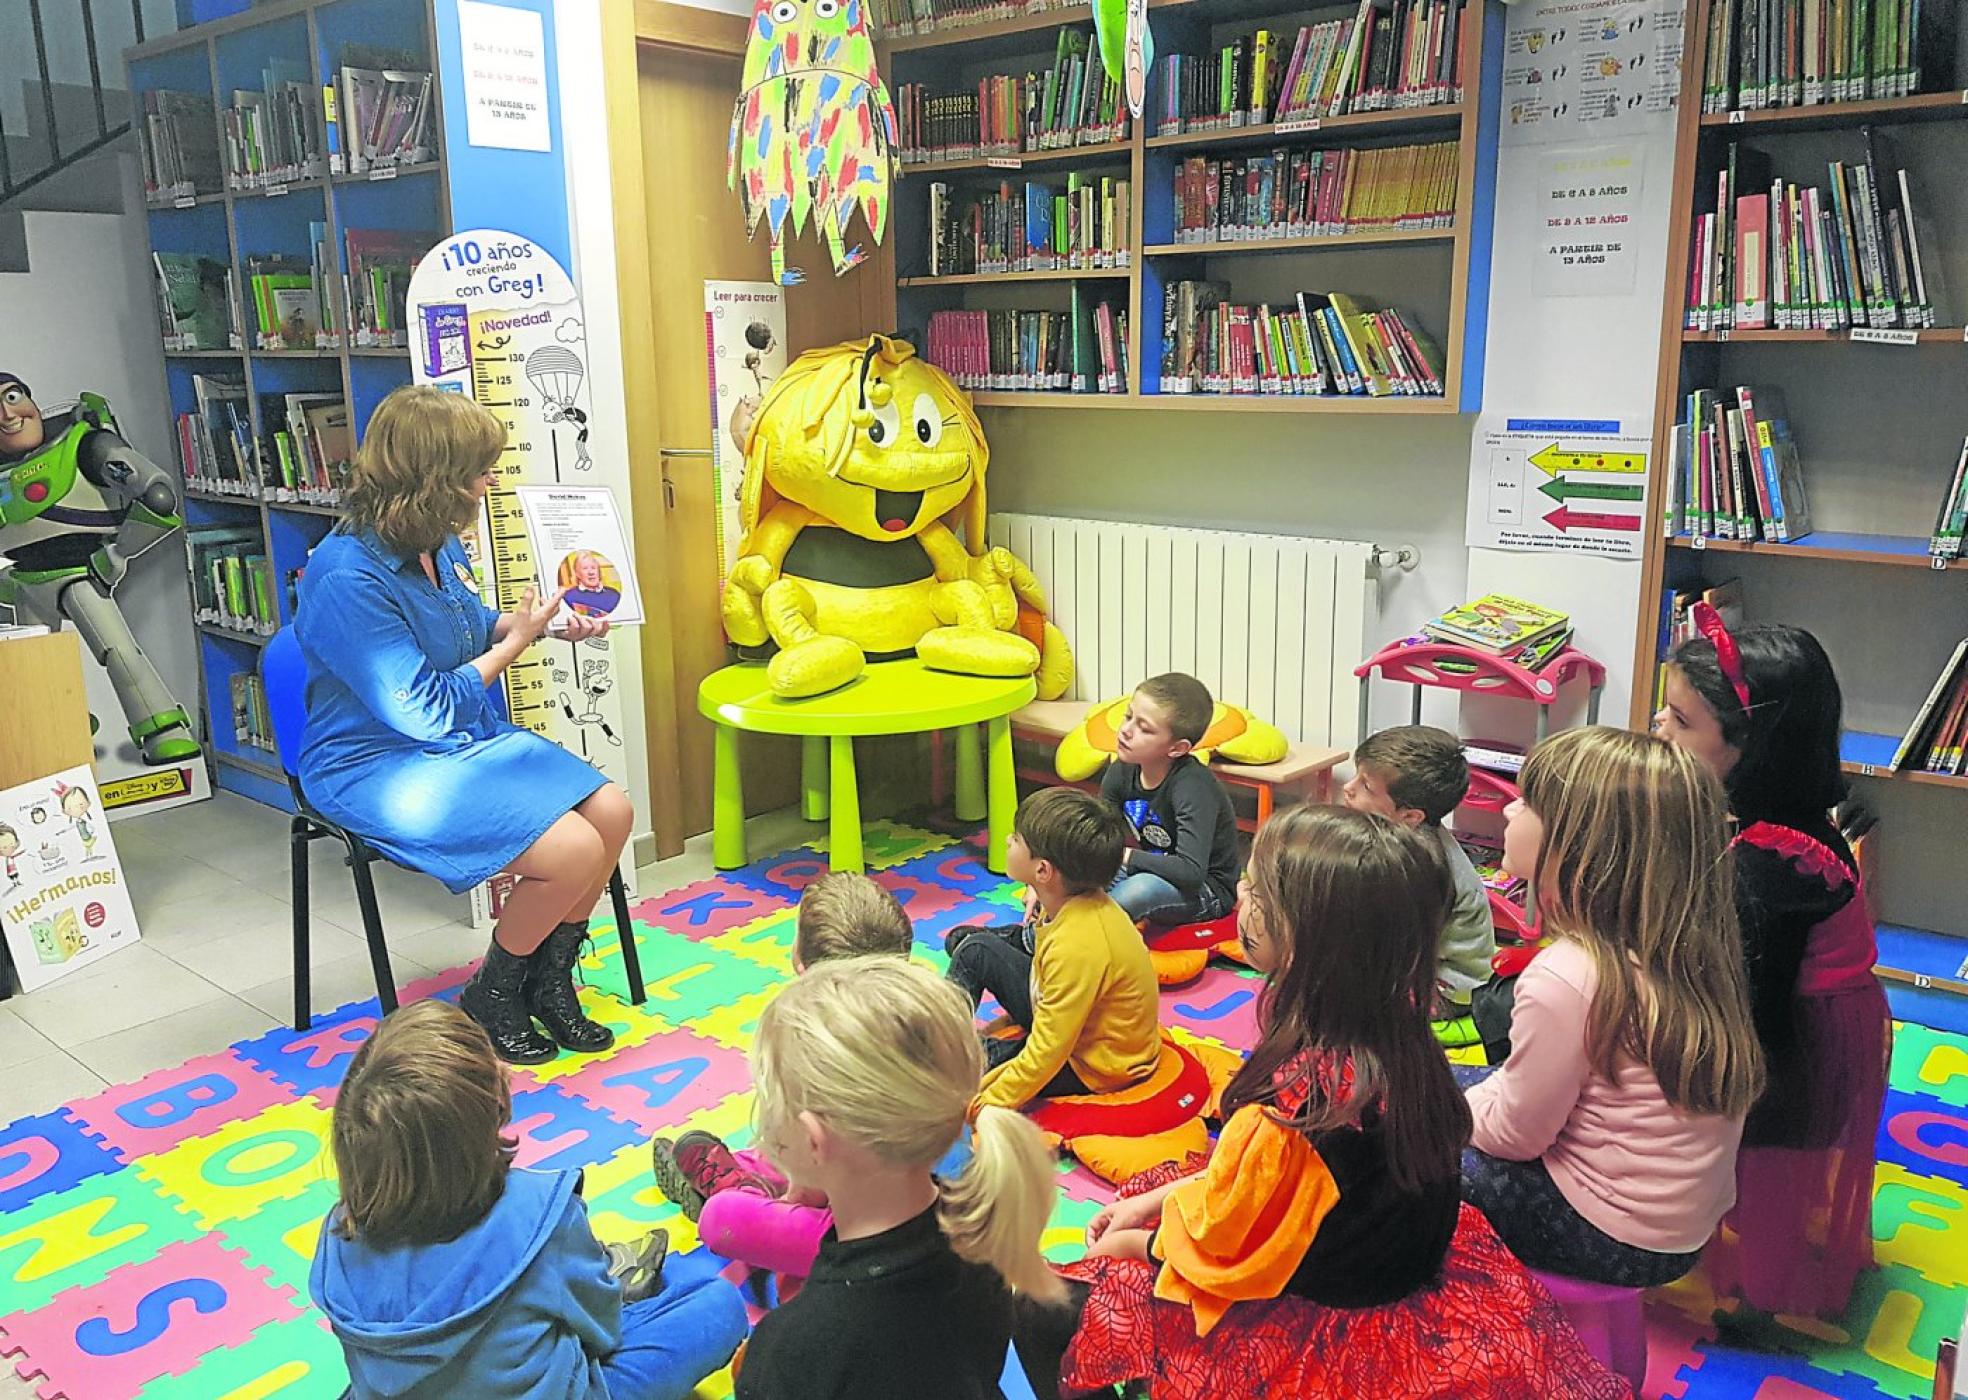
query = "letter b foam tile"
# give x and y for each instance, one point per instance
(73, 1238)
(48, 1152)
(169, 1106)
(107, 1341)
(238, 1169)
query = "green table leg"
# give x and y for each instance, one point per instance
(970, 775)
(844, 832)
(1004, 791)
(727, 800)
(813, 777)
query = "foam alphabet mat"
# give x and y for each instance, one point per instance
(155, 1238)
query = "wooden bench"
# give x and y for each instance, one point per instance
(1304, 773)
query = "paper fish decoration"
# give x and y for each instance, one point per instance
(813, 130)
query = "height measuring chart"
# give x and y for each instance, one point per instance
(495, 316)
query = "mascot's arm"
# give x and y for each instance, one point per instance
(946, 553)
(1004, 579)
(757, 569)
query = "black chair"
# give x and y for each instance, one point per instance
(283, 671)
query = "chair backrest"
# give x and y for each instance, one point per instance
(283, 671)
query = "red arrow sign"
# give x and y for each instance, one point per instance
(1565, 518)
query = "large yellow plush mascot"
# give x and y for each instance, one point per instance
(860, 465)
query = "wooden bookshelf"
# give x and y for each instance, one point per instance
(232, 224)
(1851, 579)
(1438, 278)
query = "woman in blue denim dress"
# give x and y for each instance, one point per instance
(405, 742)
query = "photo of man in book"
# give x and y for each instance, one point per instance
(593, 588)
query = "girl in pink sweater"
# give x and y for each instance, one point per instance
(1604, 1148)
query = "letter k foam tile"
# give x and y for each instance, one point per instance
(155, 1318)
(73, 1238)
(707, 908)
(233, 1172)
(48, 1152)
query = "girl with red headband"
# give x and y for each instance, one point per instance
(1762, 708)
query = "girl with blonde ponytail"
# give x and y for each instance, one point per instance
(866, 1069)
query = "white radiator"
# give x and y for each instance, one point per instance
(1275, 623)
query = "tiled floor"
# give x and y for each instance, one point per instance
(211, 888)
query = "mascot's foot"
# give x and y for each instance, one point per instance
(978, 651)
(169, 745)
(814, 667)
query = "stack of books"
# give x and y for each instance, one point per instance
(1937, 740)
(232, 585)
(1033, 227)
(1677, 610)
(1951, 521)
(215, 441)
(310, 446)
(377, 282)
(252, 721)
(1800, 53)
(1311, 194)
(1773, 255)
(382, 112)
(1736, 474)
(1528, 634)
(275, 135)
(1073, 103)
(179, 139)
(1325, 343)
(196, 308)
(1405, 55)
(901, 18)
(1043, 351)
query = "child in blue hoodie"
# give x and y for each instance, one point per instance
(447, 1272)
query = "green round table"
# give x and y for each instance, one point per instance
(890, 697)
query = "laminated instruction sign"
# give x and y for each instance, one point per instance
(495, 316)
(63, 900)
(1559, 485)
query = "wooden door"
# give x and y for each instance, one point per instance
(688, 68)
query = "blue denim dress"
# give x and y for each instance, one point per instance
(404, 743)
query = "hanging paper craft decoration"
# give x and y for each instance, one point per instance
(813, 130)
(1127, 49)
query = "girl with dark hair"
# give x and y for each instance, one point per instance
(1762, 709)
(1321, 1250)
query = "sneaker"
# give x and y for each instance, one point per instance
(638, 1265)
(693, 1168)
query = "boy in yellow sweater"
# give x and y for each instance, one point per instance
(1082, 988)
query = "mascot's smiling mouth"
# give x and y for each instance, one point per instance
(895, 511)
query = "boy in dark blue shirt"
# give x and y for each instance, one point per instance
(1182, 865)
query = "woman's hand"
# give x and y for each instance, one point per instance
(532, 615)
(1121, 1244)
(578, 627)
(1128, 1213)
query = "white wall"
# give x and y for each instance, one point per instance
(82, 318)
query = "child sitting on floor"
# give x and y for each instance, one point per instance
(1416, 775)
(447, 1271)
(1084, 992)
(743, 1207)
(1322, 1251)
(1182, 867)
(866, 1068)
(1605, 1146)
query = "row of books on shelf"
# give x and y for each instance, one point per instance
(231, 580)
(1073, 103)
(1405, 55)
(1528, 634)
(1076, 351)
(375, 114)
(196, 302)
(297, 303)
(215, 440)
(1951, 520)
(902, 18)
(1323, 343)
(252, 720)
(1736, 473)
(1777, 255)
(309, 438)
(1803, 53)
(1307, 194)
(1937, 740)
(1033, 227)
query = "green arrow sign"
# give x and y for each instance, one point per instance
(1561, 488)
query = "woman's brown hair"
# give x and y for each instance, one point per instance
(1356, 904)
(420, 456)
(419, 1129)
(1635, 866)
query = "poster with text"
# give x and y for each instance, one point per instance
(1559, 485)
(1589, 197)
(63, 899)
(579, 545)
(495, 316)
(504, 53)
(745, 343)
(1589, 68)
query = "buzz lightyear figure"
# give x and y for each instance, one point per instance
(77, 503)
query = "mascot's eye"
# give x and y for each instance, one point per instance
(928, 421)
(785, 12)
(887, 426)
(827, 9)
